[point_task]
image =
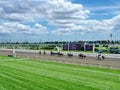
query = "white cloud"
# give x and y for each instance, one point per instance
(17, 28)
(96, 8)
(116, 23)
(17, 17)
(66, 16)
(51, 10)
(39, 29)
(86, 26)
(59, 11)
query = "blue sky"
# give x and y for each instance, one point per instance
(104, 9)
(59, 20)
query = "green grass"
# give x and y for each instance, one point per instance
(26, 74)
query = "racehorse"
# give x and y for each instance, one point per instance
(82, 56)
(100, 57)
(40, 52)
(60, 54)
(69, 55)
(44, 52)
(53, 53)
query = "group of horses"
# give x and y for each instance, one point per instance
(68, 54)
(41, 52)
(81, 56)
(56, 53)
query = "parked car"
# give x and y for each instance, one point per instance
(117, 51)
(99, 51)
(112, 50)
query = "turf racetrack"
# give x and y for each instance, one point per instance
(26, 74)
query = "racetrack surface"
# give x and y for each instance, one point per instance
(111, 63)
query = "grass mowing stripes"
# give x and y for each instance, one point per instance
(21, 74)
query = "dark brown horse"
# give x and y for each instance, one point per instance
(69, 55)
(60, 54)
(53, 53)
(82, 56)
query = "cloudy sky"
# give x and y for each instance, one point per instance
(51, 20)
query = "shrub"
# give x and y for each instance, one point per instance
(96, 45)
(96, 49)
(47, 47)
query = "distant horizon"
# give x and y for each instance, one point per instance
(57, 41)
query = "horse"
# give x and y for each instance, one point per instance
(69, 55)
(60, 54)
(82, 56)
(44, 52)
(40, 52)
(53, 53)
(100, 57)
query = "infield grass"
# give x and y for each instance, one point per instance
(27, 74)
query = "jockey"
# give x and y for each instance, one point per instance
(99, 54)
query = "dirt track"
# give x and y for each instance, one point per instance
(112, 63)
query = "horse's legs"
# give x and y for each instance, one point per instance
(99, 57)
(103, 57)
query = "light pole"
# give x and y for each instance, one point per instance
(111, 38)
(93, 41)
(68, 46)
(48, 37)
